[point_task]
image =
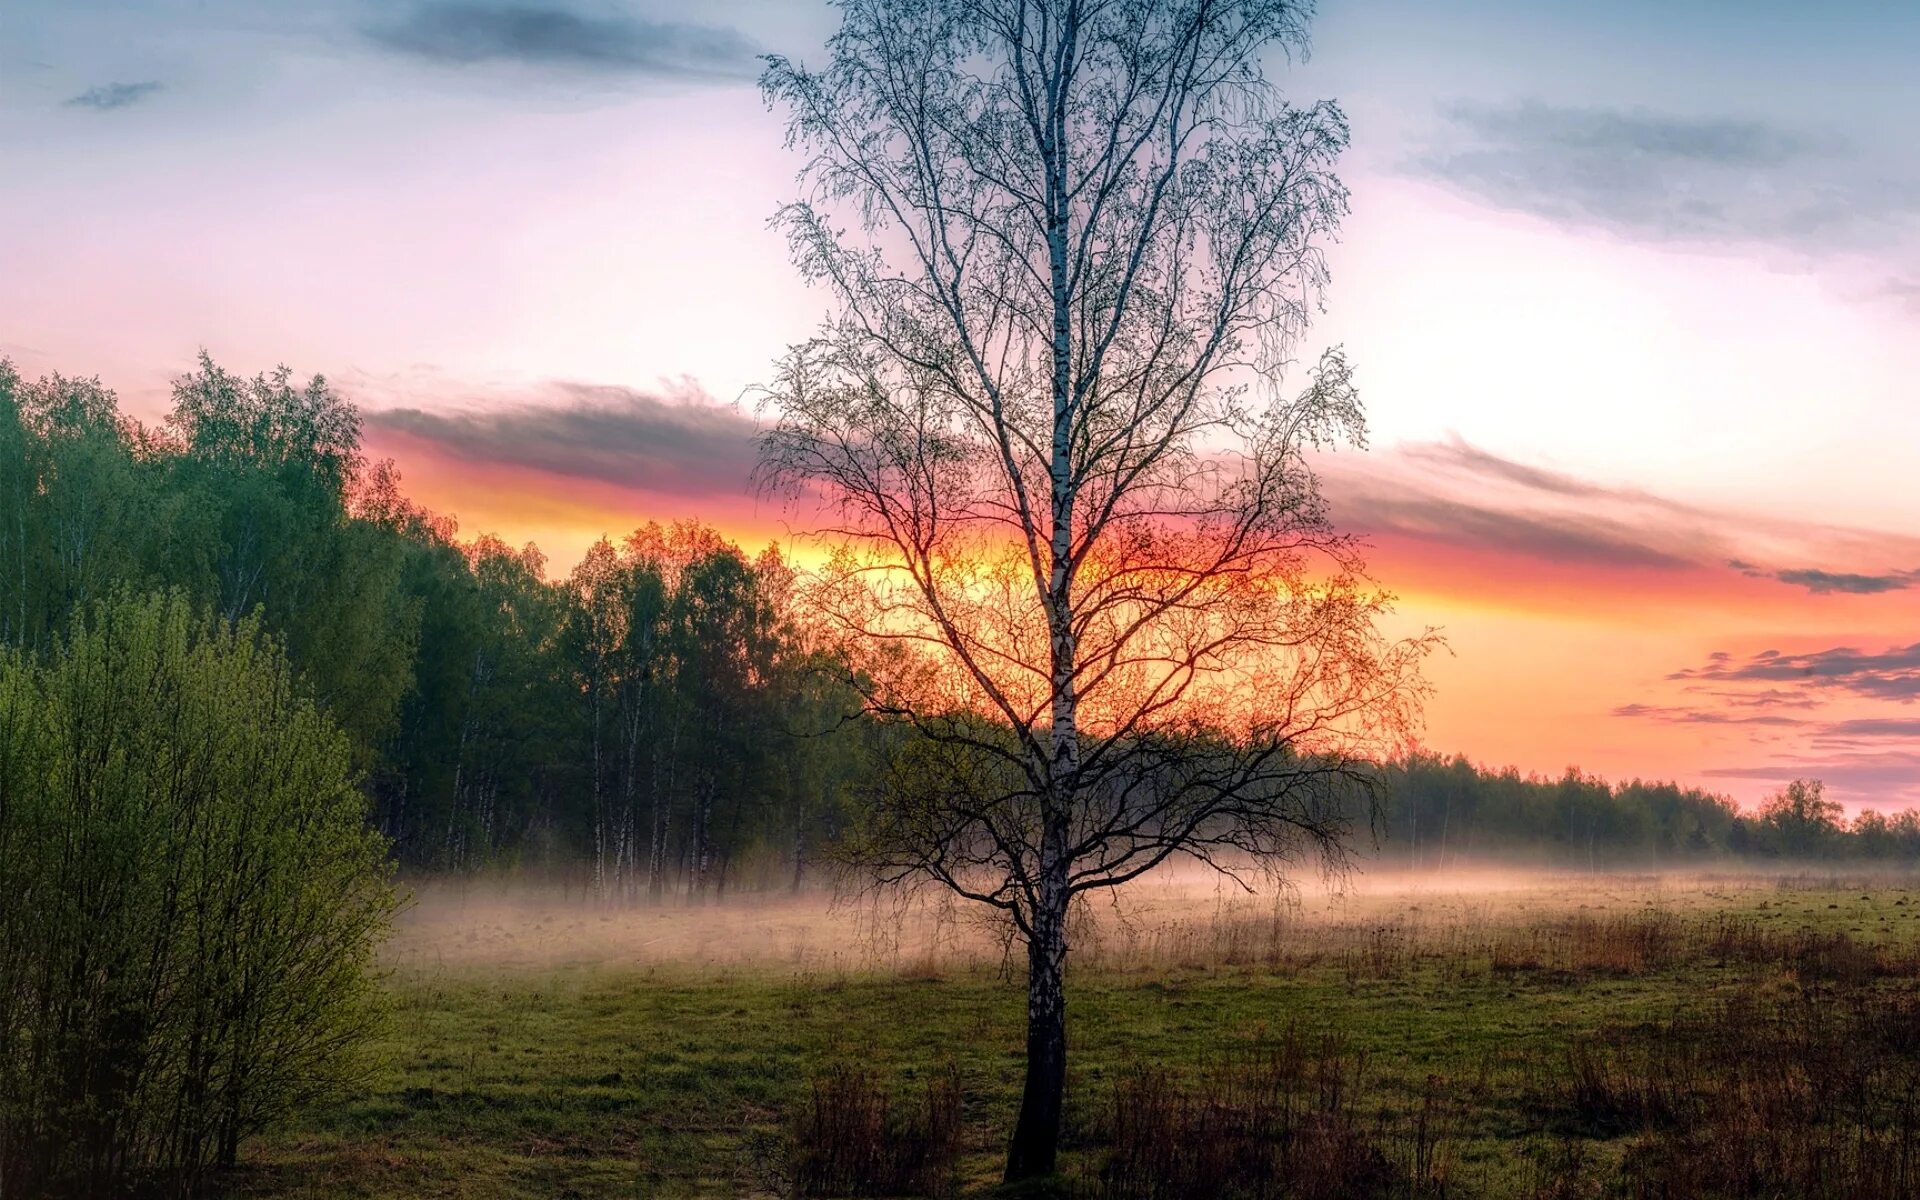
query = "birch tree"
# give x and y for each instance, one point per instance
(1059, 459)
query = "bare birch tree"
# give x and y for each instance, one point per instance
(1075, 539)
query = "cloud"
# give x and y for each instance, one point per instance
(1864, 759)
(463, 33)
(1457, 494)
(1637, 172)
(1764, 698)
(1452, 493)
(1878, 778)
(1893, 674)
(108, 96)
(1857, 730)
(1661, 177)
(1873, 727)
(1822, 582)
(1459, 454)
(1558, 539)
(670, 445)
(1701, 716)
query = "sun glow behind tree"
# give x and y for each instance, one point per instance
(1077, 545)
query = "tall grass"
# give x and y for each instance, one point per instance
(856, 1136)
(1803, 1091)
(1290, 1116)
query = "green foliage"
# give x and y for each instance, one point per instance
(648, 718)
(241, 502)
(702, 703)
(264, 470)
(1800, 821)
(78, 511)
(192, 899)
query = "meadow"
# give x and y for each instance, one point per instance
(1469, 1034)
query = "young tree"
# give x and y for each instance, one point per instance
(1077, 544)
(1800, 822)
(192, 900)
(79, 510)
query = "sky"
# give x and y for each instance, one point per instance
(1632, 291)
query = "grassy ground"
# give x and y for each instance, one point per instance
(542, 1062)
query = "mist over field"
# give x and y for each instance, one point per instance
(1486, 1030)
(1178, 919)
(1002, 599)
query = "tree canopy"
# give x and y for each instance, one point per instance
(646, 715)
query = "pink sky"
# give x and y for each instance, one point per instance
(1624, 317)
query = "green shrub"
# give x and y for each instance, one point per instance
(190, 901)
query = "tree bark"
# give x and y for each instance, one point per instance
(1036, 1134)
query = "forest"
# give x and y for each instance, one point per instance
(647, 723)
(655, 722)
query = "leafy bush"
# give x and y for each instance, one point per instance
(191, 901)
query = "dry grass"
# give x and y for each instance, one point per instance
(853, 1136)
(1801, 1092)
(1499, 1035)
(1291, 1116)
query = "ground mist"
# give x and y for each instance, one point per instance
(1483, 1032)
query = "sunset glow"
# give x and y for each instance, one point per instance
(1642, 415)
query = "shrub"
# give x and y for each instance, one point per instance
(191, 901)
(1281, 1118)
(853, 1137)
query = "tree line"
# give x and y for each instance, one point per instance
(655, 715)
(656, 723)
(1439, 811)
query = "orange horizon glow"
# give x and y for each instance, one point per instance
(1637, 347)
(1540, 653)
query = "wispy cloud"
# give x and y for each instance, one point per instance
(1452, 493)
(557, 37)
(1873, 727)
(1779, 698)
(1711, 181)
(1456, 454)
(1560, 539)
(677, 444)
(1892, 674)
(1854, 731)
(1865, 760)
(1763, 698)
(109, 96)
(1882, 778)
(1680, 715)
(1456, 494)
(1822, 582)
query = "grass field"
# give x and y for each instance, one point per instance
(1470, 1036)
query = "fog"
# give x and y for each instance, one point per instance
(1173, 918)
